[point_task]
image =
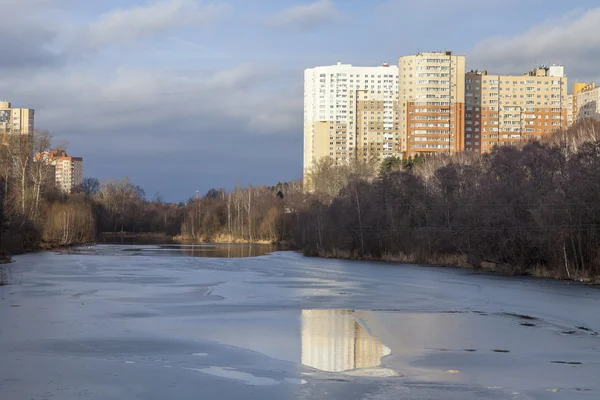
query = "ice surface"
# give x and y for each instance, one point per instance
(123, 323)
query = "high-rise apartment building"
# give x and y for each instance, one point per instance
(16, 120)
(349, 112)
(586, 101)
(431, 102)
(67, 172)
(509, 109)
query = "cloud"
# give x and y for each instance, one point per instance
(446, 7)
(186, 129)
(255, 99)
(572, 40)
(28, 31)
(138, 22)
(305, 17)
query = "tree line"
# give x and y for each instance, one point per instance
(531, 209)
(35, 214)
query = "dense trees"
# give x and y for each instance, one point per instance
(33, 213)
(28, 196)
(530, 209)
(121, 206)
(253, 214)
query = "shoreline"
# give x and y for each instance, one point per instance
(223, 239)
(218, 239)
(461, 262)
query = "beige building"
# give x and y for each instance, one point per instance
(67, 171)
(570, 109)
(509, 109)
(375, 122)
(431, 103)
(586, 101)
(16, 120)
(349, 113)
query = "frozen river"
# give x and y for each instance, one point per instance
(160, 322)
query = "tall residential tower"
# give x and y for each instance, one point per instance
(431, 100)
(349, 112)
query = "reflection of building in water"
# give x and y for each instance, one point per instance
(333, 341)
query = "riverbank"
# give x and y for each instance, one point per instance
(463, 262)
(5, 257)
(186, 239)
(134, 235)
(223, 239)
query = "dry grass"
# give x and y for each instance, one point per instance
(460, 261)
(445, 260)
(219, 239)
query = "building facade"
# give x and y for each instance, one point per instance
(69, 173)
(16, 120)
(431, 103)
(349, 112)
(586, 101)
(509, 109)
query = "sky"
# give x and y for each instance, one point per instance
(186, 95)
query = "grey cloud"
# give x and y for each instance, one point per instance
(122, 25)
(305, 17)
(28, 30)
(26, 50)
(255, 97)
(204, 125)
(174, 132)
(573, 40)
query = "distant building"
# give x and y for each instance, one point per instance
(67, 171)
(508, 109)
(429, 104)
(586, 101)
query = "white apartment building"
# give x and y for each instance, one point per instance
(332, 97)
